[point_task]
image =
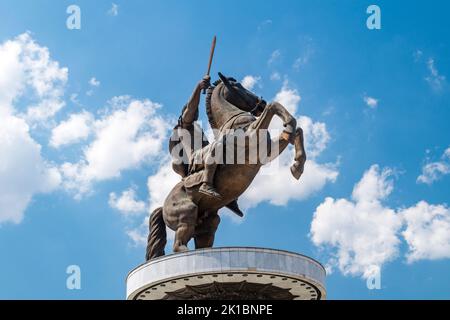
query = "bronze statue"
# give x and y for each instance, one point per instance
(187, 147)
(240, 120)
(191, 208)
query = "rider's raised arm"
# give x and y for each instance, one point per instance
(191, 111)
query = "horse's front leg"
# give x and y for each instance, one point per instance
(274, 147)
(277, 109)
(258, 130)
(300, 154)
(290, 134)
(295, 136)
(288, 119)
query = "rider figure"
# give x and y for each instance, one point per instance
(187, 150)
(187, 121)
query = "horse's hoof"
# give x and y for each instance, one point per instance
(296, 170)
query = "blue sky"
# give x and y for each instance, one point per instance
(374, 105)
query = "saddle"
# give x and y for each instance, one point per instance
(195, 179)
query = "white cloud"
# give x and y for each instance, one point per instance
(374, 185)
(427, 231)
(28, 77)
(74, 99)
(275, 183)
(275, 55)
(300, 62)
(371, 102)
(304, 58)
(434, 171)
(138, 236)
(125, 139)
(28, 73)
(23, 171)
(250, 81)
(114, 10)
(75, 129)
(435, 79)
(275, 76)
(126, 203)
(94, 82)
(417, 55)
(161, 183)
(361, 233)
(315, 134)
(130, 135)
(288, 97)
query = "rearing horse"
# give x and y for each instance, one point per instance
(192, 214)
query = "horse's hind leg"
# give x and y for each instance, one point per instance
(300, 154)
(205, 232)
(186, 227)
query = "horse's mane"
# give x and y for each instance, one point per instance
(208, 104)
(227, 109)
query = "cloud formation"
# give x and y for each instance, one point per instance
(250, 81)
(114, 10)
(29, 78)
(427, 231)
(129, 135)
(274, 56)
(23, 171)
(371, 102)
(126, 203)
(363, 233)
(75, 129)
(433, 171)
(434, 78)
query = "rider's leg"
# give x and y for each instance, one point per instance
(208, 174)
(210, 160)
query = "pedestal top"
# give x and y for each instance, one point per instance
(228, 273)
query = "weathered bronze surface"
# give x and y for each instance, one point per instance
(191, 208)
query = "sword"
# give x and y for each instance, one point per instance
(211, 55)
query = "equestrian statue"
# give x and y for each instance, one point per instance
(214, 175)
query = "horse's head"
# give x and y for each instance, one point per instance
(227, 99)
(240, 97)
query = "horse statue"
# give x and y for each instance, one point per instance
(191, 214)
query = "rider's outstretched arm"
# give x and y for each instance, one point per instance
(191, 110)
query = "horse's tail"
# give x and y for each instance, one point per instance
(157, 237)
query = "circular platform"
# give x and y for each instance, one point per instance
(228, 273)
